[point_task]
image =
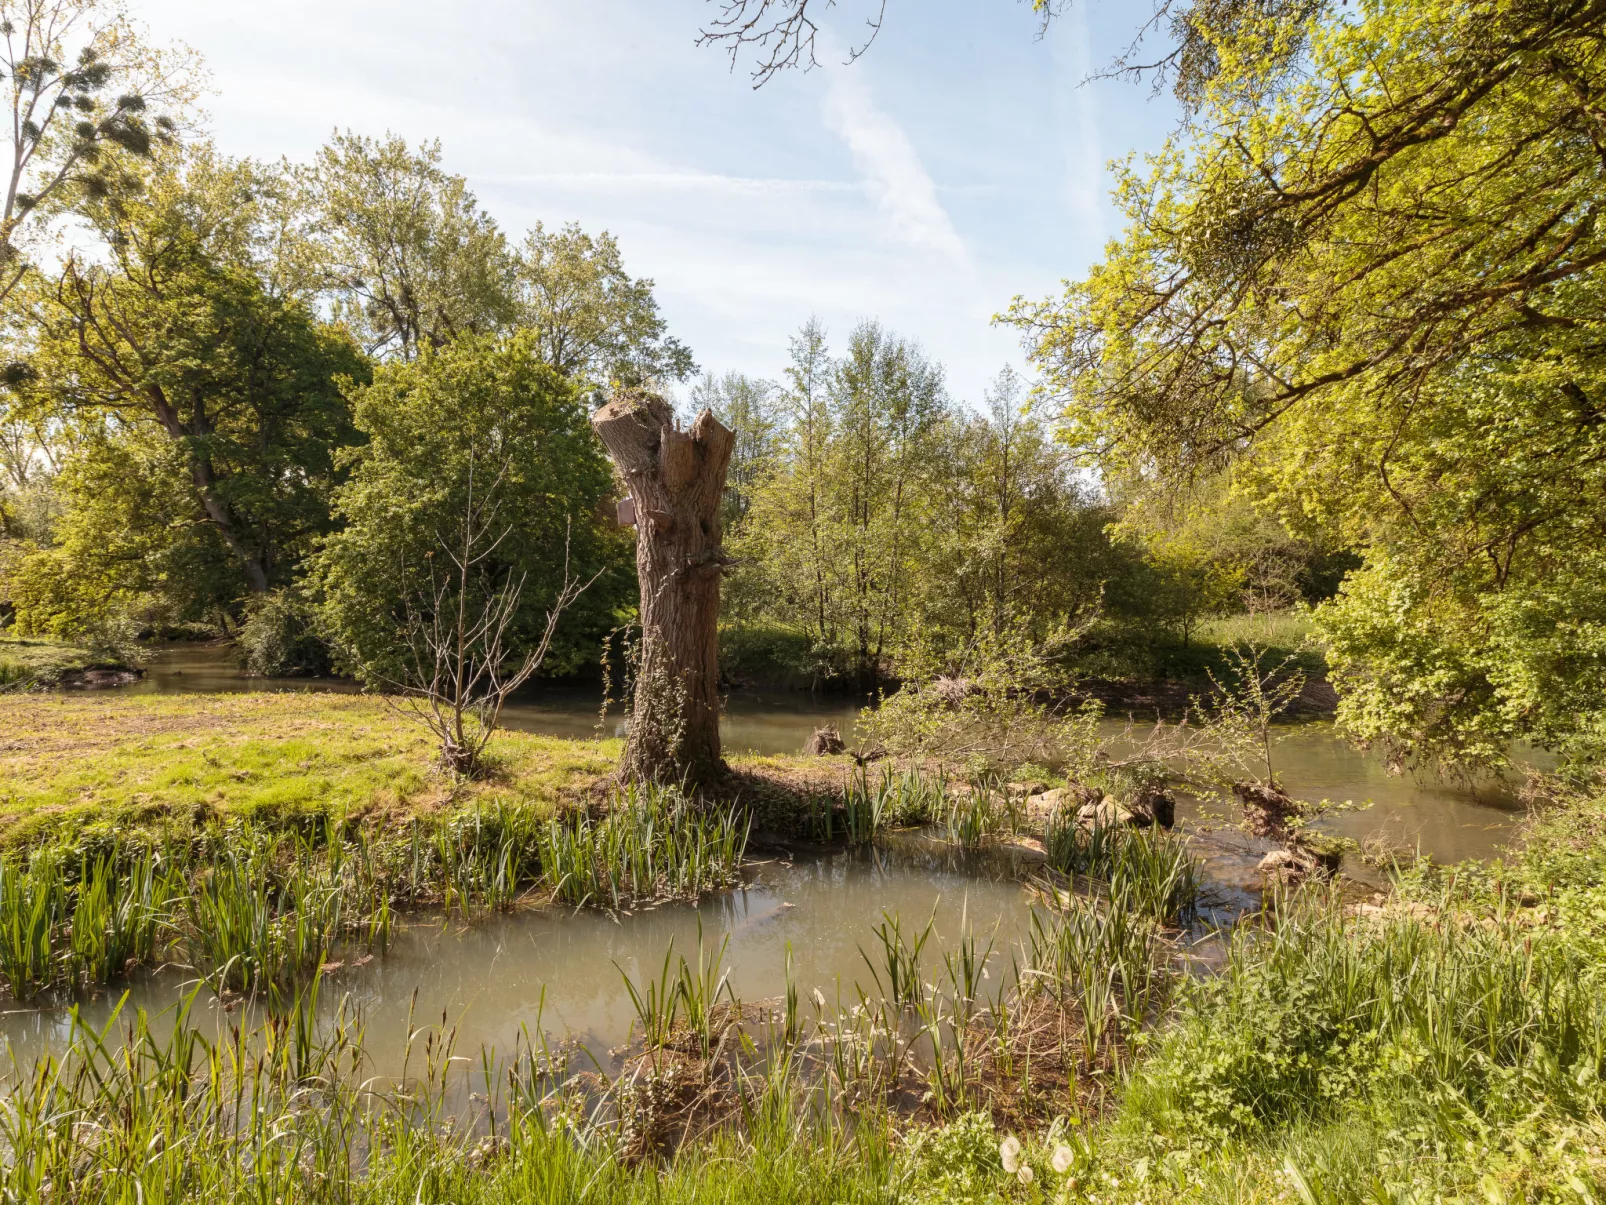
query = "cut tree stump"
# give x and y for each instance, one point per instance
(677, 481)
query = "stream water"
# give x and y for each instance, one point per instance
(512, 976)
(561, 972)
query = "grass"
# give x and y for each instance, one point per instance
(171, 763)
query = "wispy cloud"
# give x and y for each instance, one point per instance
(669, 181)
(894, 176)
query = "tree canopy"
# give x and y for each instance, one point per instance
(1367, 277)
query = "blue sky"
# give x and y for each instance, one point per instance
(959, 163)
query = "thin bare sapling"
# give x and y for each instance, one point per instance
(459, 661)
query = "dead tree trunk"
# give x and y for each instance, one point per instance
(677, 480)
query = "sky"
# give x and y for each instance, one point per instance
(960, 162)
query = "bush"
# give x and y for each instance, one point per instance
(278, 639)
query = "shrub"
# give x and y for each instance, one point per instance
(278, 639)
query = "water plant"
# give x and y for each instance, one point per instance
(654, 843)
(972, 816)
(1147, 870)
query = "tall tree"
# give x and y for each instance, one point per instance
(481, 452)
(751, 409)
(592, 320)
(889, 402)
(403, 246)
(175, 337)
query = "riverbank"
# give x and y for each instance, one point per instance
(1448, 1044)
(31, 664)
(80, 765)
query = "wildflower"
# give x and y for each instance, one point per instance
(1025, 1174)
(1009, 1152)
(1063, 1157)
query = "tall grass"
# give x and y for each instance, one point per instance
(973, 816)
(654, 843)
(260, 920)
(1145, 870)
(1464, 1018)
(893, 798)
(165, 1114)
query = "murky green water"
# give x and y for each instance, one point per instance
(509, 977)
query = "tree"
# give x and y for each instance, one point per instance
(1373, 289)
(403, 248)
(750, 409)
(592, 320)
(86, 95)
(677, 481)
(174, 355)
(477, 437)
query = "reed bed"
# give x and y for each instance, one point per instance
(1147, 871)
(969, 815)
(1448, 1029)
(260, 912)
(655, 843)
(892, 798)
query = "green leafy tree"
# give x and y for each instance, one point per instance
(751, 409)
(208, 402)
(1372, 289)
(593, 321)
(403, 247)
(479, 428)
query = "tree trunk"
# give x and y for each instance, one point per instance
(677, 479)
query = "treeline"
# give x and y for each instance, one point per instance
(315, 406)
(883, 530)
(253, 400)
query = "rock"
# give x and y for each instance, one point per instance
(1025, 790)
(1154, 804)
(1292, 865)
(1048, 800)
(1106, 813)
(825, 741)
(1279, 862)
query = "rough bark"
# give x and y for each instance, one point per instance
(677, 479)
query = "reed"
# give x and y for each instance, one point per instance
(655, 843)
(974, 815)
(899, 959)
(892, 798)
(699, 989)
(1146, 870)
(122, 919)
(33, 907)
